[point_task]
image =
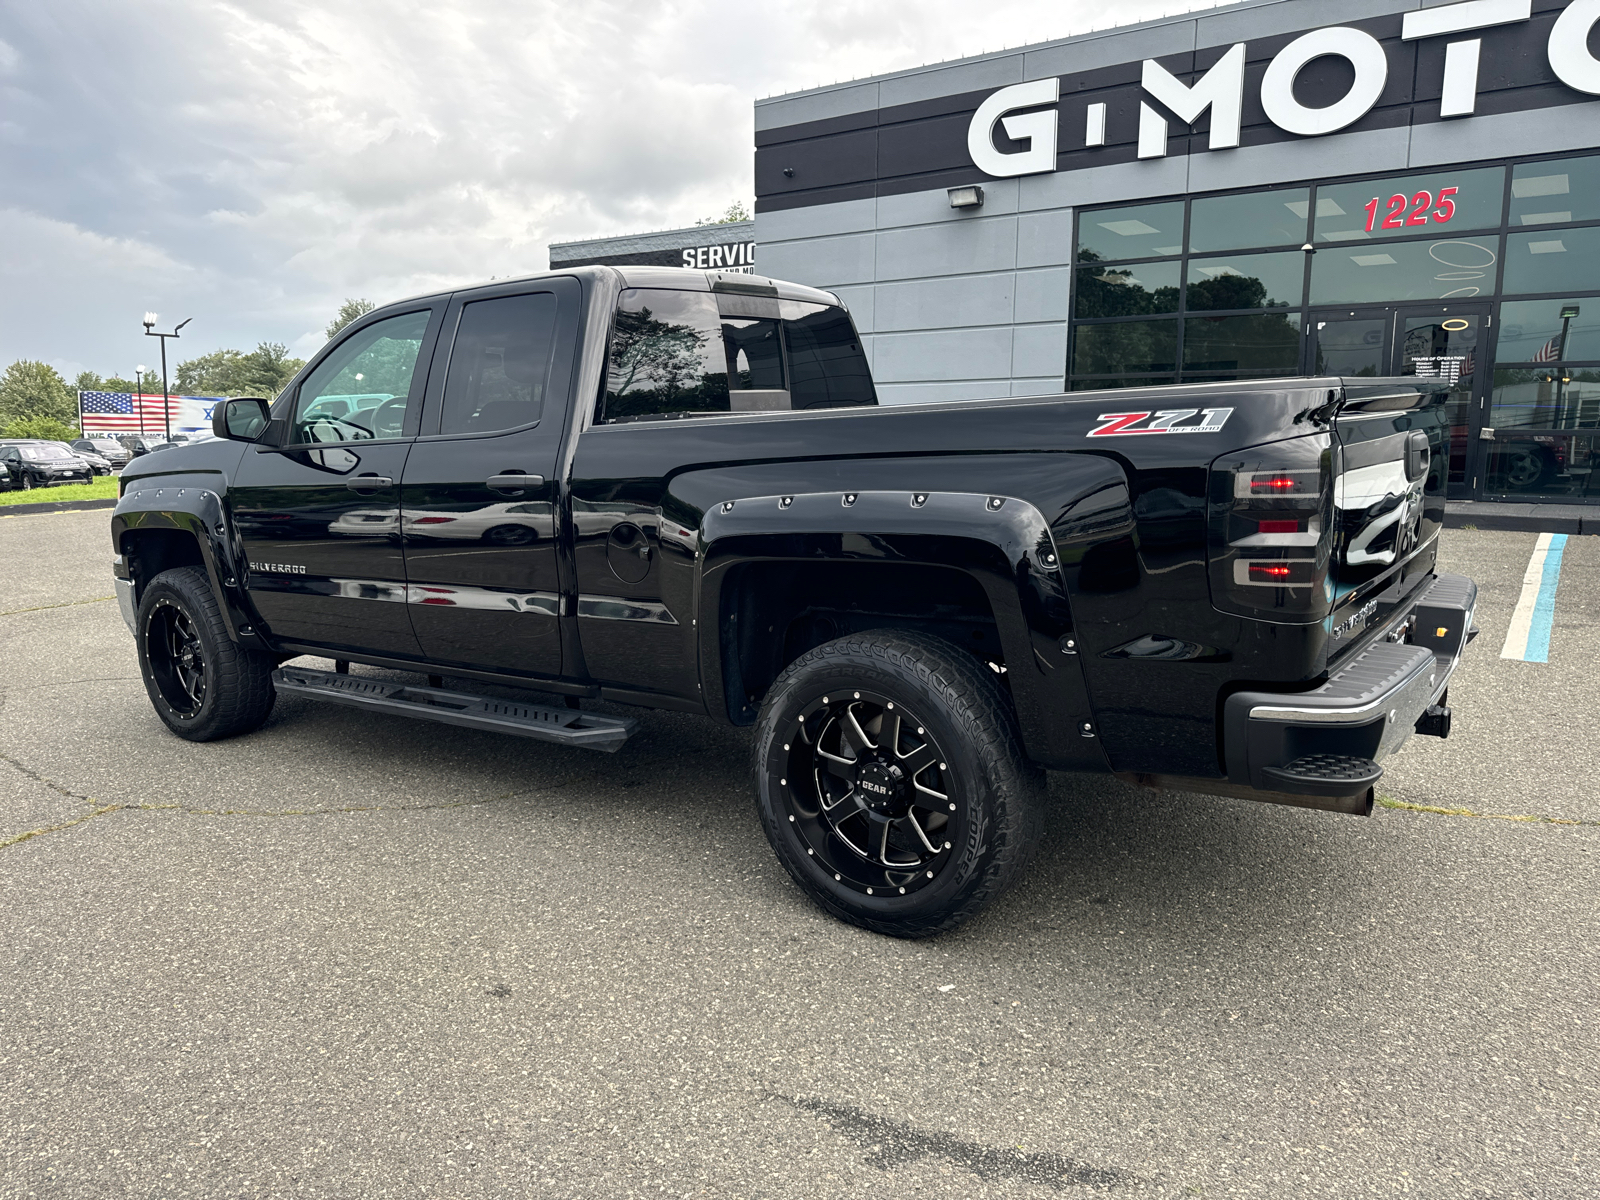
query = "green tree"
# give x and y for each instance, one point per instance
(35, 389)
(47, 428)
(88, 381)
(349, 311)
(268, 369)
(736, 212)
(216, 374)
(262, 372)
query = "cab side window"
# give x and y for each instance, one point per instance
(500, 364)
(362, 390)
(827, 368)
(667, 357)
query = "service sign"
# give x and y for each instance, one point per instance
(1029, 113)
(740, 257)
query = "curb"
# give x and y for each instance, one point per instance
(1522, 518)
(19, 510)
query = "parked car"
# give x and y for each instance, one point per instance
(108, 448)
(138, 444)
(1227, 588)
(96, 461)
(42, 464)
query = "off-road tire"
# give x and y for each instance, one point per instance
(237, 695)
(970, 717)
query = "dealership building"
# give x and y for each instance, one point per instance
(720, 246)
(1279, 187)
(1362, 187)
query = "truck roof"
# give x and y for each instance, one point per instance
(680, 278)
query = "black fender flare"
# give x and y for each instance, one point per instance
(1003, 542)
(167, 504)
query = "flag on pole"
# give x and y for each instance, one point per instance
(1550, 351)
(120, 412)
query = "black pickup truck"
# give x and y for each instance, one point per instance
(676, 489)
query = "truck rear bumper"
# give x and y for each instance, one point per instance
(1329, 742)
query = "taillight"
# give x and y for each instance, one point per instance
(1271, 520)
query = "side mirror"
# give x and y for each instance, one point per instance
(242, 418)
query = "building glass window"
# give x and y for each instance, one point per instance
(1550, 330)
(1553, 260)
(1121, 381)
(1255, 344)
(1276, 218)
(1246, 281)
(1530, 465)
(1553, 397)
(1124, 347)
(1555, 193)
(1216, 287)
(1128, 291)
(1145, 231)
(1455, 268)
(1432, 205)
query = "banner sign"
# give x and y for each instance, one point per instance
(121, 412)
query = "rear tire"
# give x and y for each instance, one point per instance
(203, 686)
(892, 783)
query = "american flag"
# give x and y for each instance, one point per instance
(1550, 351)
(121, 412)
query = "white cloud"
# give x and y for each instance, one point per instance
(252, 163)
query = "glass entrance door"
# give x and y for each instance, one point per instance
(1450, 342)
(1439, 341)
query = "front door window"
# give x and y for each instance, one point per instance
(362, 390)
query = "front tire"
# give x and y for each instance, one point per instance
(203, 686)
(892, 783)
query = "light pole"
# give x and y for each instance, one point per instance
(138, 394)
(1568, 311)
(149, 331)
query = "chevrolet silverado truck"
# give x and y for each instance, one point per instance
(677, 490)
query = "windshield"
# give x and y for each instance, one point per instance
(42, 453)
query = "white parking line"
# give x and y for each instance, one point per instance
(1528, 639)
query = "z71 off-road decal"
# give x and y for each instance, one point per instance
(1166, 421)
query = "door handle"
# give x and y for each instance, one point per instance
(514, 482)
(368, 483)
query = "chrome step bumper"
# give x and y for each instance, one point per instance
(1368, 708)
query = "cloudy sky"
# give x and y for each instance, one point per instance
(250, 164)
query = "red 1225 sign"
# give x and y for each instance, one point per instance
(1421, 206)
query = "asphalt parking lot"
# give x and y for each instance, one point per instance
(356, 956)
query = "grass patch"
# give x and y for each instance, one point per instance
(1527, 818)
(104, 487)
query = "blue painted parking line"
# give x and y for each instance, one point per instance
(1528, 639)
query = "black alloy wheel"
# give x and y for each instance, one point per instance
(177, 659)
(871, 793)
(202, 684)
(892, 782)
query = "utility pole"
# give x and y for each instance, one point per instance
(166, 399)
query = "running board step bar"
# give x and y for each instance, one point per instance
(564, 725)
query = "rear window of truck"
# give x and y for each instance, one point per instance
(694, 354)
